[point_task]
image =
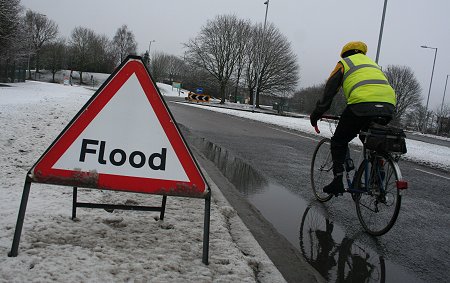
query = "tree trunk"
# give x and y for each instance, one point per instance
(37, 63)
(251, 96)
(222, 94)
(237, 85)
(29, 67)
(257, 99)
(81, 78)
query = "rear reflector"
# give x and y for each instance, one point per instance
(402, 185)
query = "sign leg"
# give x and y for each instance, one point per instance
(206, 229)
(163, 208)
(74, 203)
(20, 218)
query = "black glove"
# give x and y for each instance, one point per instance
(314, 118)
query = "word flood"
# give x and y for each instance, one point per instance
(118, 157)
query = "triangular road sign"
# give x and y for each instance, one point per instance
(124, 138)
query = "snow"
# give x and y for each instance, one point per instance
(168, 90)
(425, 153)
(122, 246)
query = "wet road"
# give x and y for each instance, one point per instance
(276, 181)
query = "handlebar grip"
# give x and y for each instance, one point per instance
(317, 129)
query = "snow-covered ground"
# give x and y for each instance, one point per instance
(123, 246)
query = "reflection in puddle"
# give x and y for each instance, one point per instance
(337, 258)
(324, 245)
(246, 179)
(340, 258)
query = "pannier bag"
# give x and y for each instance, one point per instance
(384, 139)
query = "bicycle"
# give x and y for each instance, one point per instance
(377, 184)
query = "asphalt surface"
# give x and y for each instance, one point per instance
(269, 167)
(288, 260)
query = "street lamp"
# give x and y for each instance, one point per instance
(381, 32)
(260, 56)
(442, 104)
(149, 47)
(431, 81)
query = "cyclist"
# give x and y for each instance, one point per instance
(368, 94)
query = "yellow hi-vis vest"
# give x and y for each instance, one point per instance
(364, 81)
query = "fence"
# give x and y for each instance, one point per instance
(11, 73)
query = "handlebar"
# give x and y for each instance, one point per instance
(329, 117)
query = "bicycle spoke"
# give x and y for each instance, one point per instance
(378, 208)
(321, 170)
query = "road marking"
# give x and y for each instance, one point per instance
(298, 135)
(434, 174)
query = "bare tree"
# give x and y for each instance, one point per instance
(90, 52)
(53, 55)
(102, 58)
(243, 46)
(443, 119)
(414, 117)
(175, 68)
(42, 30)
(216, 48)
(12, 38)
(9, 22)
(165, 67)
(274, 66)
(79, 48)
(406, 87)
(124, 42)
(305, 100)
(158, 66)
(146, 58)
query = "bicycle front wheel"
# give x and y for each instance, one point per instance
(379, 205)
(322, 169)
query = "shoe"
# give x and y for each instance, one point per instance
(336, 187)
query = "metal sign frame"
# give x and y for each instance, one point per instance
(83, 179)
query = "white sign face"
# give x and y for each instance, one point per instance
(125, 138)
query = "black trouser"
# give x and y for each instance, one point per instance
(347, 129)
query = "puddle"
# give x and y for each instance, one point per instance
(323, 243)
(337, 257)
(246, 179)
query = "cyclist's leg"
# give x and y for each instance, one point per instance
(348, 127)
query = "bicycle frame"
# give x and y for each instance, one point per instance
(375, 170)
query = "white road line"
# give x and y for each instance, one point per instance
(298, 135)
(437, 175)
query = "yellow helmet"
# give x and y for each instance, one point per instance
(354, 45)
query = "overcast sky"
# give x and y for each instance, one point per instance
(317, 29)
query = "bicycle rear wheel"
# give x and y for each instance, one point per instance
(322, 169)
(378, 207)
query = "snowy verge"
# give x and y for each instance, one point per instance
(131, 246)
(263, 267)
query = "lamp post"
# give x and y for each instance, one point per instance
(442, 105)
(260, 56)
(429, 89)
(381, 32)
(149, 48)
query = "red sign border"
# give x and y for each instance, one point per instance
(42, 171)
